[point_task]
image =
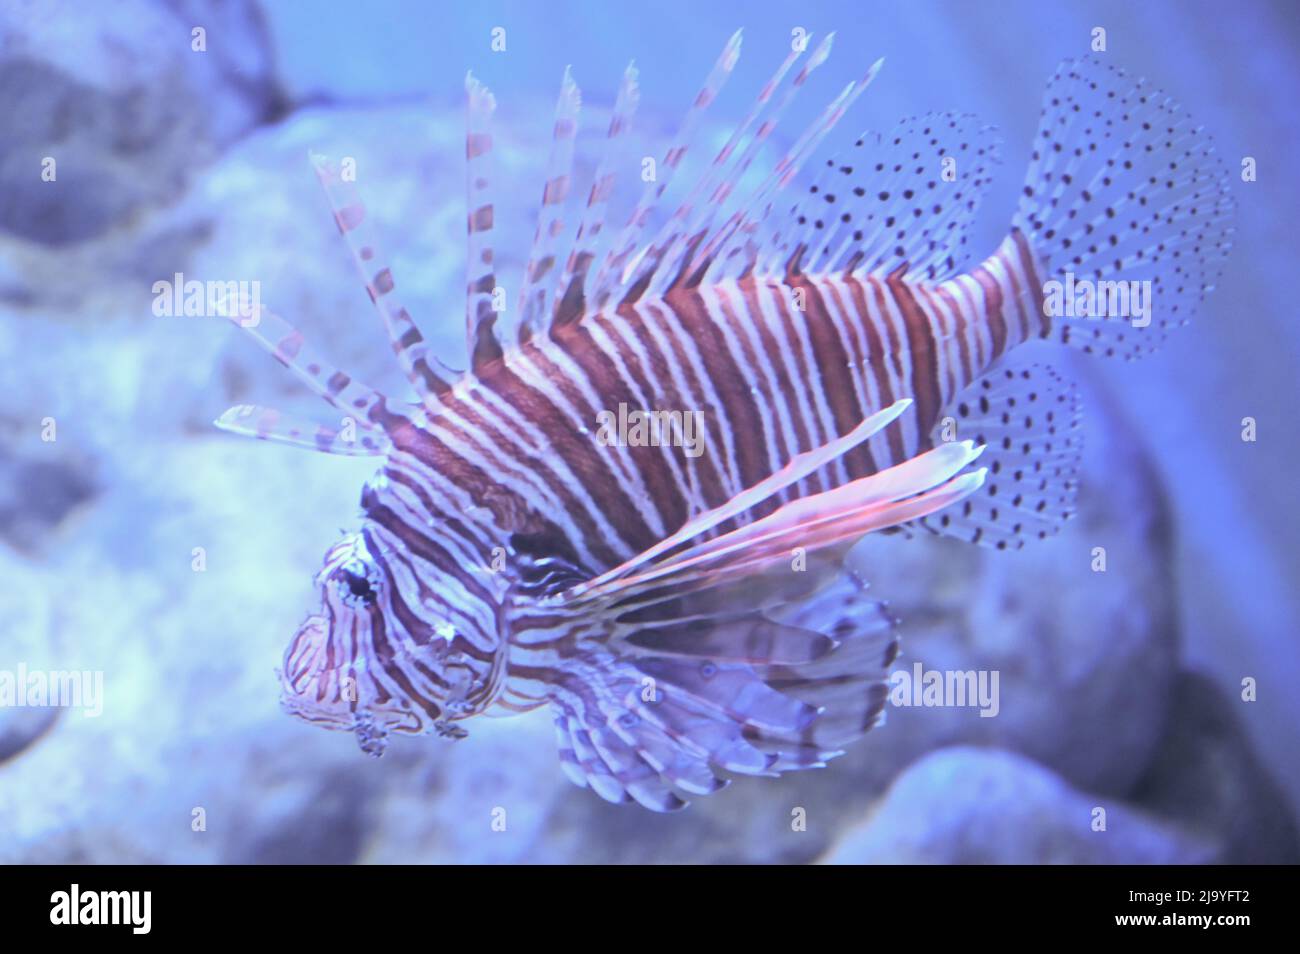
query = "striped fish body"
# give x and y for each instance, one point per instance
(681, 605)
(770, 380)
(775, 367)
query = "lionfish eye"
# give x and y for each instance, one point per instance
(358, 584)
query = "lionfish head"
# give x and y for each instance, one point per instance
(366, 662)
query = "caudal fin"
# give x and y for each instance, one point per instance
(1127, 208)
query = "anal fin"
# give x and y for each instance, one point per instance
(1027, 418)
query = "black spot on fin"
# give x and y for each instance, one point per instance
(1027, 418)
(904, 197)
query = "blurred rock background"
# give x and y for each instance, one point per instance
(1120, 690)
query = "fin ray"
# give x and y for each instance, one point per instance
(290, 347)
(269, 424)
(482, 341)
(427, 375)
(733, 250)
(570, 300)
(538, 274)
(612, 274)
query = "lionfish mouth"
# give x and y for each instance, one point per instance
(310, 689)
(324, 690)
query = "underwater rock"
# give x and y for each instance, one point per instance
(319, 818)
(27, 643)
(1207, 775)
(38, 492)
(119, 99)
(22, 728)
(984, 806)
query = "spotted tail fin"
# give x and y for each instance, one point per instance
(1126, 208)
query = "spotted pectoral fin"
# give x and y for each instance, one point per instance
(657, 715)
(649, 727)
(728, 656)
(1027, 418)
(730, 653)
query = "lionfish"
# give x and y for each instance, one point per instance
(689, 619)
